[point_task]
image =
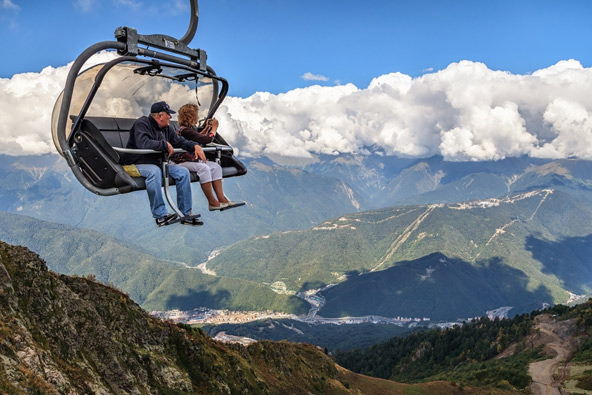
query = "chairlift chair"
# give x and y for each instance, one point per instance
(93, 115)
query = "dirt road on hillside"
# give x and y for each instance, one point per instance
(556, 335)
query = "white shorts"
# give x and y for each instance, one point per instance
(207, 172)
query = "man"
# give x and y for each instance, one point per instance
(154, 132)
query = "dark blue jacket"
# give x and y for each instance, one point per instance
(146, 134)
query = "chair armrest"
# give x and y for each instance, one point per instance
(214, 147)
(209, 148)
(137, 151)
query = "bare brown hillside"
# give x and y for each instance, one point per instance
(547, 375)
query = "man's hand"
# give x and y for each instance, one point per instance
(200, 154)
(170, 149)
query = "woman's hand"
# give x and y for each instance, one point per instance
(214, 125)
(199, 153)
(211, 127)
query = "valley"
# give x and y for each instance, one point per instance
(344, 237)
(77, 354)
(324, 254)
(483, 242)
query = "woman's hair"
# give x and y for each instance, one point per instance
(187, 115)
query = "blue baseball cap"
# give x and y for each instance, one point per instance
(161, 106)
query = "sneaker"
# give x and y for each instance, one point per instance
(192, 221)
(166, 219)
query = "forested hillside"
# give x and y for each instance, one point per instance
(440, 261)
(486, 352)
(433, 353)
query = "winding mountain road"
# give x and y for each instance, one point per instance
(559, 344)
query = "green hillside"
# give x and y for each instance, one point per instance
(376, 240)
(490, 353)
(153, 283)
(458, 354)
(529, 244)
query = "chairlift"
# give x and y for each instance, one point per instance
(92, 116)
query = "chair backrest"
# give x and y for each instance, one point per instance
(101, 139)
(115, 133)
(116, 130)
(98, 160)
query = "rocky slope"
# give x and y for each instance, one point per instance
(61, 334)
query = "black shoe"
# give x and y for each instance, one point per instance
(166, 219)
(192, 220)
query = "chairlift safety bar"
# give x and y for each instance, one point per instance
(177, 150)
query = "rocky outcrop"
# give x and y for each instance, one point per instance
(69, 335)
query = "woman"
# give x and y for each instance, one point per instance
(210, 173)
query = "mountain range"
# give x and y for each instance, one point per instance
(277, 199)
(441, 261)
(427, 237)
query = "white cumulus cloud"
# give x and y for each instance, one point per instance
(308, 76)
(464, 112)
(26, 104)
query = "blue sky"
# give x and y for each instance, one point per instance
(269, 45)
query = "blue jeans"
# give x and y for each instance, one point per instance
(153, 175)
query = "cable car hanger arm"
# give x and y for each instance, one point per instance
(130, 37)
(194, 20)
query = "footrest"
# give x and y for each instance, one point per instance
(233, 205)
